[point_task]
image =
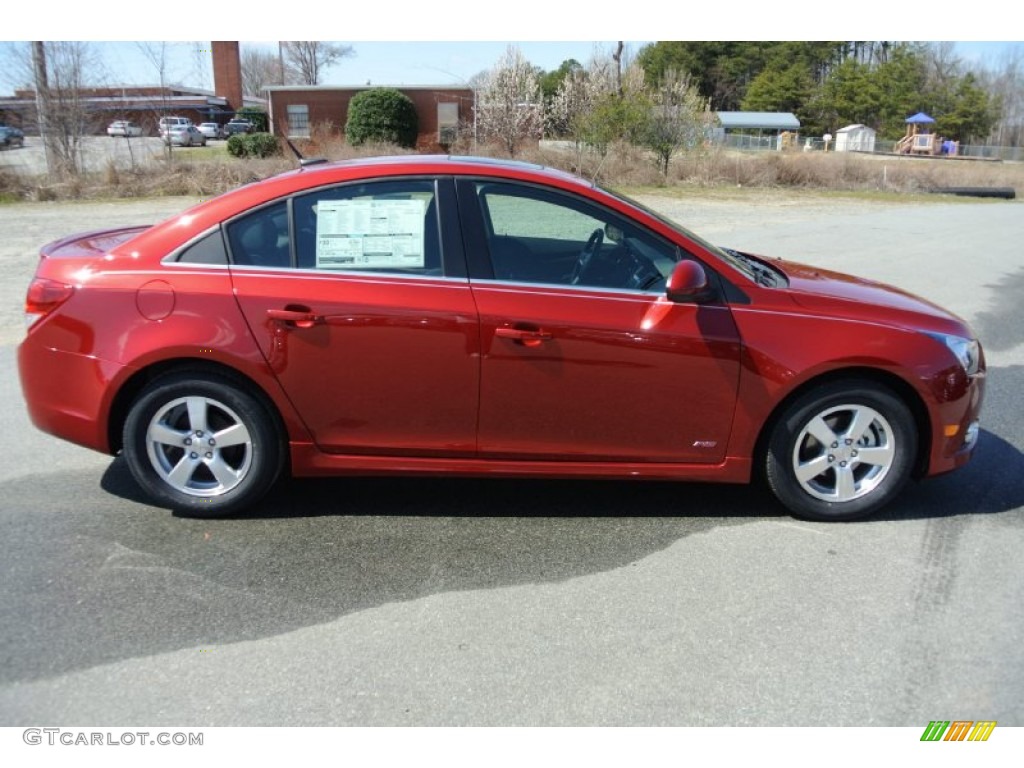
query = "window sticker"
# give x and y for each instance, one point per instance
(367, 234)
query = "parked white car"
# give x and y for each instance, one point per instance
(212, 130)
(125, 128)
(173, 122)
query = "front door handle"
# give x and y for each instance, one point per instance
(299, 318)
(524, 336)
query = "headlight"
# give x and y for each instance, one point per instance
(966, 351)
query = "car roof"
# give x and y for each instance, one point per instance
(454, 164)
(314, 175)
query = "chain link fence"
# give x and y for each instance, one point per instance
(882, 147)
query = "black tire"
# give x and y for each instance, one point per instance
(171, 445)
(833, 428)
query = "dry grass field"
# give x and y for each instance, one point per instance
(210, 170)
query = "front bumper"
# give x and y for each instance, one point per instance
(956, 428)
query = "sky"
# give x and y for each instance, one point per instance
(413, 43)
(381, 63)
(377, 63)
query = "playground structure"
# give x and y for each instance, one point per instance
(788, 140)
(919, 140)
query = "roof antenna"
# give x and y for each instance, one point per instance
(304, 161)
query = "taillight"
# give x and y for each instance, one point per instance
(43, 297)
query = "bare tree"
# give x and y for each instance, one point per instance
(157, 55)
(570, 105)
(571, 111)
(600, 106)
(260, 68)
(42, 89)
(510, 107)
(200, 74)
(941, 63)
(617, 58)
(677, 118)
(305, 60)
(1004, 81)
(60, 70)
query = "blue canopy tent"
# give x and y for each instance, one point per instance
(919, 119)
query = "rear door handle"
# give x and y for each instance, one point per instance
(299, 318)
(526, 337)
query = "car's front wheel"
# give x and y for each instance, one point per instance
(841, 451)
(201, 445)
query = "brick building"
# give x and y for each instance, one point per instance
(141, 104)
(441, 109)
(145, 105)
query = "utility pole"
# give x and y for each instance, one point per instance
(43, 105)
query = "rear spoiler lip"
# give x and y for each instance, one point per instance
(92, 243)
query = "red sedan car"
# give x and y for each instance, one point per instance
(446, 316)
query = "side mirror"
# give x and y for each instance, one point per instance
(687, 283)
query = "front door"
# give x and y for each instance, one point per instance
(583, 357)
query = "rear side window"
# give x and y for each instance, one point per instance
(208, 250)
(385, 226)
(261, 239)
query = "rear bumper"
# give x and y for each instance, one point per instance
(66, 393)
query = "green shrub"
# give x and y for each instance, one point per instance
(236, 145)
(253, 145)
(261, 145)
(382, 115)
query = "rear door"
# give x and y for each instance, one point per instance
(359, 299)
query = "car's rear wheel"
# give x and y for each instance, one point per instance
(201, 445)
(841, 451)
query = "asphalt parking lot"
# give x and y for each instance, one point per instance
(444, 602)
(97, 153)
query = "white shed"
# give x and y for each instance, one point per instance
(855, 138)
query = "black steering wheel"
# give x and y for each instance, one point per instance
(586, 256)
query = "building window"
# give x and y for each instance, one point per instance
(447, 122)
(298, 120)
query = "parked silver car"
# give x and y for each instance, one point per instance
(184, 136)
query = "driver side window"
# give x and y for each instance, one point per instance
(539, 236)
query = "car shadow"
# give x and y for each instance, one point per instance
(95, 577)
(992, 482)
(480, 497)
